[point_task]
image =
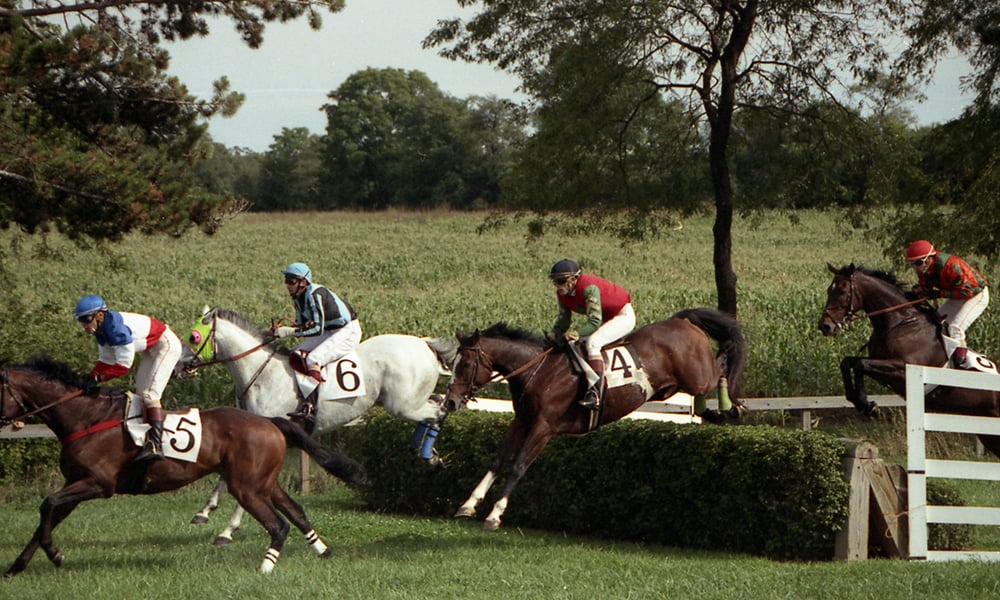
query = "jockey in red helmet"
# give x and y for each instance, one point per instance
(608, 308)
(963, 288)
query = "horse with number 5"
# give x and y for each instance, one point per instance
(652, 363)
(98, 454)
(399, 372)
(905, 330)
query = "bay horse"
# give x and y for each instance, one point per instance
(400, 373)
(905, 330)
(246, 450)
(675, 355)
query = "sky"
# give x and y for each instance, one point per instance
(286, 80)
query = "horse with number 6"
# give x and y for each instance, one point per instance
(398, 372)
(905, 330)
(652, 363)
(98, 454)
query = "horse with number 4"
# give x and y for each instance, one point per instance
(396, 371)
(905, 330)
(652, 363)
(101, 436)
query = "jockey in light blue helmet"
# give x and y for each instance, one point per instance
(89, 305)
(298, 270)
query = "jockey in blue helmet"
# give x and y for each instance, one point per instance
(329, 325)
(120, 336)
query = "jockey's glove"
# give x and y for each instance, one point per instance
(283, 332)
(90, 386)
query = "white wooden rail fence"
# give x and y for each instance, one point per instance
(919, 467)
(677, 409)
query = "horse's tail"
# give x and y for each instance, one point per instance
(446, 348)
(728, 332)
(336, 462)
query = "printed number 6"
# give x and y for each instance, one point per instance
(347, 376)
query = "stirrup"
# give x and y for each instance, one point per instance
(590, 399)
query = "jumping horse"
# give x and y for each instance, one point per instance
(400, 373)
(905, 330)
(655, 362)
(246, 450)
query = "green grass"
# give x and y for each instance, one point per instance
(143, 546)
(427, 274)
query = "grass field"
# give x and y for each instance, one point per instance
(427, 274)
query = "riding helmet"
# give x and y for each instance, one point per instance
(89, 305)
(300, 270)
(919, 249)
(564, 269)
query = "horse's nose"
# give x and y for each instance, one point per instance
(828, 328)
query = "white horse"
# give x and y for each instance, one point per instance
(400, 373)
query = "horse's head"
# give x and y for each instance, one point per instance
(843, 299)
(199, 343)
(32, 387)
(471, 369)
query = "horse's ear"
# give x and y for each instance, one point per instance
(205, 310)
(832, 268)
(459, 334)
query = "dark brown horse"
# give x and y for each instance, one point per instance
(904, 331)
(675, 356)
(97, 456)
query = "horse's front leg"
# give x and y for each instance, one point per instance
(534, 444)
(854, 369)
(201, 517)
(52, 511)
(512, 440)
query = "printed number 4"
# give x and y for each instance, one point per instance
(620, 363)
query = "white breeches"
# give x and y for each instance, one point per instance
(959, 314)
(155, 368)
(331, 345)
(612, 330)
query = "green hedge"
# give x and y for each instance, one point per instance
(24, 459)
(760, 490)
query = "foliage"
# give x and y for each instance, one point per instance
(27, 458)
(718, 57)
(395, 140)
(96, 139)
(781, 490)
(290, 172)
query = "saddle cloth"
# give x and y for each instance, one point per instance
(181, 430)
(344, 379)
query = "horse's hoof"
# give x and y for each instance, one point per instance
(737, 412)
(326, 553)
(222, 541)
(491, 524)
(712, 416)
(199, 520)
(465, 513)
(58, 559)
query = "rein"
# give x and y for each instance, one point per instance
(233, 358)
(537, 359)
(6, 391)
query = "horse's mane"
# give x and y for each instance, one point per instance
(50, 368)
(502, 329)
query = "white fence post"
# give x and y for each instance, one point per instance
(919, 467)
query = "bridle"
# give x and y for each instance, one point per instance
(850, 315)
(482, 358)
(5, 391)
(197, 363)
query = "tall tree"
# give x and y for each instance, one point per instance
(719, 56)
(290, 172)
(394, 139)
(96, 139)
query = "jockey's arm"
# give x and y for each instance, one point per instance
(595, 316)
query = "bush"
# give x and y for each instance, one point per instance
(760, 490)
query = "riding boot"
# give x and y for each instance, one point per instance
(153, 448)
(306, 411)
(593, 396)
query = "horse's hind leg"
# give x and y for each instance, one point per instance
(293, 510)
(260, 508)
(226, 535)
(201, 517)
